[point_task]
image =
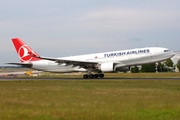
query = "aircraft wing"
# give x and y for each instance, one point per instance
(71, 62)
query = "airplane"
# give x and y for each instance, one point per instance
(97, 63)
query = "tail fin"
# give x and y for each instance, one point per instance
(24, 52)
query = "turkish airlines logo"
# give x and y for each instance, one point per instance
(25, 53)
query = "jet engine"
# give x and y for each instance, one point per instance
(106, 67)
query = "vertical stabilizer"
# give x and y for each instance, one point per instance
(24, 52)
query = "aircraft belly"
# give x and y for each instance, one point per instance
(161, 57)
(145, 59)
(136, 60)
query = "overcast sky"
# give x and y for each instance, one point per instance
(57, 28)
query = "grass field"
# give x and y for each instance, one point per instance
(113, 75)
(90, 99)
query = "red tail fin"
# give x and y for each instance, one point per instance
(24, 52)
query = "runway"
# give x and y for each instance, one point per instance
(26, 79)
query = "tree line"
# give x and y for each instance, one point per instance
(167, 66)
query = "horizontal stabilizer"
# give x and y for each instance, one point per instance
(28, 65)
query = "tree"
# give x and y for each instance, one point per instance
(134, 69)
(148, 67)
(162, 67)
(169, 65)
(178, 64)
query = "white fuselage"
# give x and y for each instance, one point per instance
(121, 59)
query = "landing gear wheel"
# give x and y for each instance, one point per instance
(85, 76)
(96, 76)
(101, 75)
(91, 76)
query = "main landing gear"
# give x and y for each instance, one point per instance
(91, 76)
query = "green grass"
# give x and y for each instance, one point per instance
(90, 99)
(110, 75)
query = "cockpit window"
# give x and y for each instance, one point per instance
(166, 50)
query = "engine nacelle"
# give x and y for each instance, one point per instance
(106, 67)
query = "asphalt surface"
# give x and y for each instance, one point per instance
(16, 79)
